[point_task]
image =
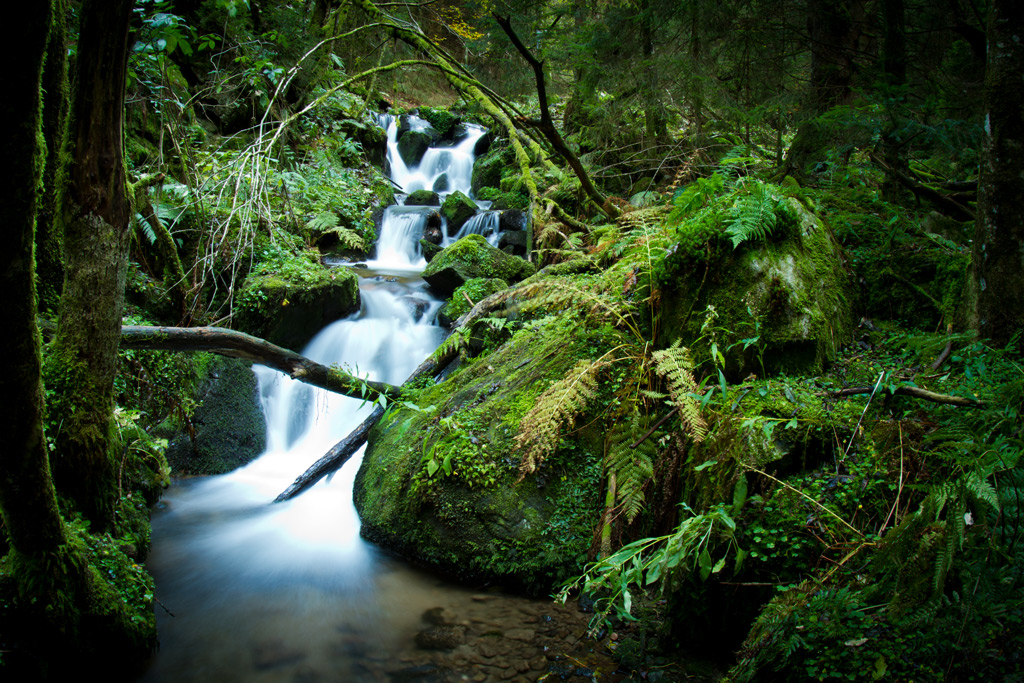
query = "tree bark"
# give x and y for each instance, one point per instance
(998, 247)
(96, 239)
(28, 502)
(547, 126)
(240, 345)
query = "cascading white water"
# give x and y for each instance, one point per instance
(289, 591)
(485, 223)
(398, 248)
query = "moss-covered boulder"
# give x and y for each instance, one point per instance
(488, 168)
(413, 144)
(289, 302)
(228, 425)
(472, 257)
(469, 294)
(423, 198)
(470, 514)
(457, 209)
(783, 304)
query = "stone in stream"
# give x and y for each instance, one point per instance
(269, 654)
(445, 637)
(472, 257)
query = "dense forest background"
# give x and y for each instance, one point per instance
(837, 502)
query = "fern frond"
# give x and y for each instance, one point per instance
(632, 467)
(323, 222)
(559, 294)
(753, 215)
(695, 196)
(349, 239)
(676, 366)
(554, 413)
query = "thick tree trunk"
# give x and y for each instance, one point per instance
(96, 232)
(27, 499)
(998, 258)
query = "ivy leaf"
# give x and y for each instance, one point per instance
(432, 467)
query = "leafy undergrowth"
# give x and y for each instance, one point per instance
(882, 530)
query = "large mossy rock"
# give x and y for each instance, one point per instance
(472, 257)
(483, 522)
(781, 305)
(230, 429)
(288, 307)
(487, 169)
(413, 144)
(457, 209)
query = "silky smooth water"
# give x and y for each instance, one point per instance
(248, 590)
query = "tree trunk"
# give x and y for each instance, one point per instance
(27, 499)
(96, 239)
(998, 247)
(49, 227)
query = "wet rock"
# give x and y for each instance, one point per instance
(230, 429)
(441, 637)
(423, 198)
(441, 184)
(523, 635)
(472, 257)
(515, 243)
(457, 209)
(429, 250)
(512, 220)
(424, 673)
(439, 616)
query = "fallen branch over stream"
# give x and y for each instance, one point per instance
(235, 344)
(433, 365)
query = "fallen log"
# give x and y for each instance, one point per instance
(235, 344)
(915, 392)
(334, 458)
(433, 365)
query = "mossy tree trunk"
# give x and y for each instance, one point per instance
(998, 258)
(96, 239)
(27, 499)
(49, 268)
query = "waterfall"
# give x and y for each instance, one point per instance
(258, 589)
(398, 248)
(485, 223)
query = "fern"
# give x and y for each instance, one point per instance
(560, 294)
(554, 413)
(323, 222)
(695, 196)
(632, 466)
(754, 215)
(676, 366)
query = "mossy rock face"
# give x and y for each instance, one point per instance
(794, 296)
(472, 257)
(457, 209)
(230, 429)
(487, 169)
(477, 519)
(288, 308)
(476, 290)
(423, 198)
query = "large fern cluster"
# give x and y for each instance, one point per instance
(554, 413)
(327, 223)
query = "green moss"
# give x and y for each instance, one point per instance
(476, 517)
(475, 290)
(442, 120)
(472, 257)
(288, 298)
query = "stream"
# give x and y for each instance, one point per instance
(253, 591)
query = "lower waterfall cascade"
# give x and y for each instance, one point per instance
(248, 591)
